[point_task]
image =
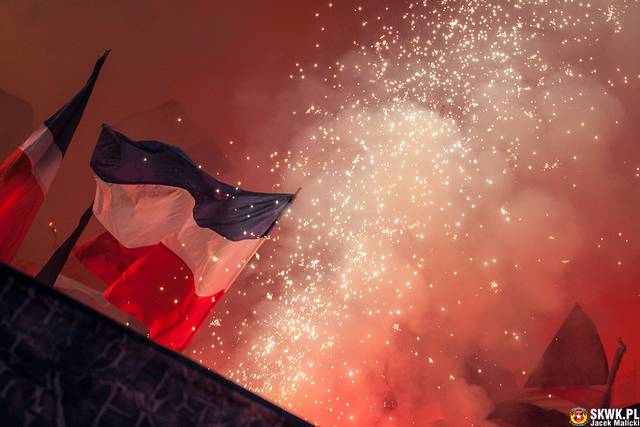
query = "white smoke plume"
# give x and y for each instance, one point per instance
(455, 191)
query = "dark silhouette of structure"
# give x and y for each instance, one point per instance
(64, 364)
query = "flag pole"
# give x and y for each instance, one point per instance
(615, 365)
(293, 198)
(295, 195)
(51, 270)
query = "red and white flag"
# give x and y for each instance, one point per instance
(27, 174)
(176, 238)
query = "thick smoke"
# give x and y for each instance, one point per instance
(450, 217)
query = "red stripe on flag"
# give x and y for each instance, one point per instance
(152, 284)
(20, 198)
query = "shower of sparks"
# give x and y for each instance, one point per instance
(406, 204)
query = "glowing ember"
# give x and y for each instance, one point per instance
(446, 182)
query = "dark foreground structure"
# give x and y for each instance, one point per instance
(63, 364)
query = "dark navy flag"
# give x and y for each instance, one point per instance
(64, 122)
(177, 237)
(232, 212)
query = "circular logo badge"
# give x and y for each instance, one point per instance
(579, 417)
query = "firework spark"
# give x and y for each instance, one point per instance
(453, 156)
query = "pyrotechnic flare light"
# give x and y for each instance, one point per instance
(421, 130)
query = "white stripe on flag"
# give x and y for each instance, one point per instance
(44, 155)
(143, 215)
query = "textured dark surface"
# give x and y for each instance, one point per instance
(62, 364)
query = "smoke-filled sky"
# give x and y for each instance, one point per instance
(469, 171)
